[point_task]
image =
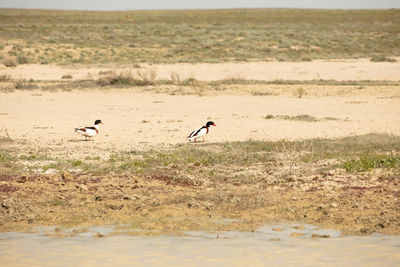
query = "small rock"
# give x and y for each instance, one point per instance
(30, 218)
(192, 204)
(98, 198)
(210, 206)
(50, 171)
(66, 176)
(115, 207)
(334, 205)
(83, 188)
(156, 202)
(126, 197)
(21, 180)
(364, 230)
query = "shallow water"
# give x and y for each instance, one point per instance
(272, 246)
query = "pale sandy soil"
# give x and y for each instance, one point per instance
(135, 120)
(358, 69)
(140, 118)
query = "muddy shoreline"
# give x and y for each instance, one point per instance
(160, 205)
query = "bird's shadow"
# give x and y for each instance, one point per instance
(79, 140)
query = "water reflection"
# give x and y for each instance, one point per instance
(276, 245)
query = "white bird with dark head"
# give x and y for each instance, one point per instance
(89, 131)
(200, 132)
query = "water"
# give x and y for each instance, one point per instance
(268, 246)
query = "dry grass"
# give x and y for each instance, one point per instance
(382, 58)
(152, 189)
(217, 161)
(300, 92)
(5, 78)
(146, 76)
(175, 77)
(128, 77)
(25, 85)
(66, 76)
(10, 62)
(133, 37)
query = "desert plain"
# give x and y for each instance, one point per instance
(303, 140)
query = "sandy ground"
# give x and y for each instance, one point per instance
(135, 120)
(360, 69)
(139, 118)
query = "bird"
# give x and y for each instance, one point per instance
(200, 132)
(89, 132)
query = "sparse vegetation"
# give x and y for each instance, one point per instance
(175, 77)
(300, 92)
(249, 179)
(22, 59)
(367, 163)
(128, 78)
(360, 153)
(381, 58)
(66, 76)
(5, 78)
(259, 93)
(24, 84)
(133, 37)
(302, 117)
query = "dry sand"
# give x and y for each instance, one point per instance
(341, 70)
(138, 120)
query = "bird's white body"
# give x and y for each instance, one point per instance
(199, 132)
(89, 132)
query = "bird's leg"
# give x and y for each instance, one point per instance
(204, 140)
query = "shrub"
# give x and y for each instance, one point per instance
(175, 77)
(10, 61)
(4, 78)
(146, 77)
(382, 58)
(300, 92)
(116, 77)
(66, 76)
(367, 163)
(269, 116)
(22, 59)
(20, 84)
